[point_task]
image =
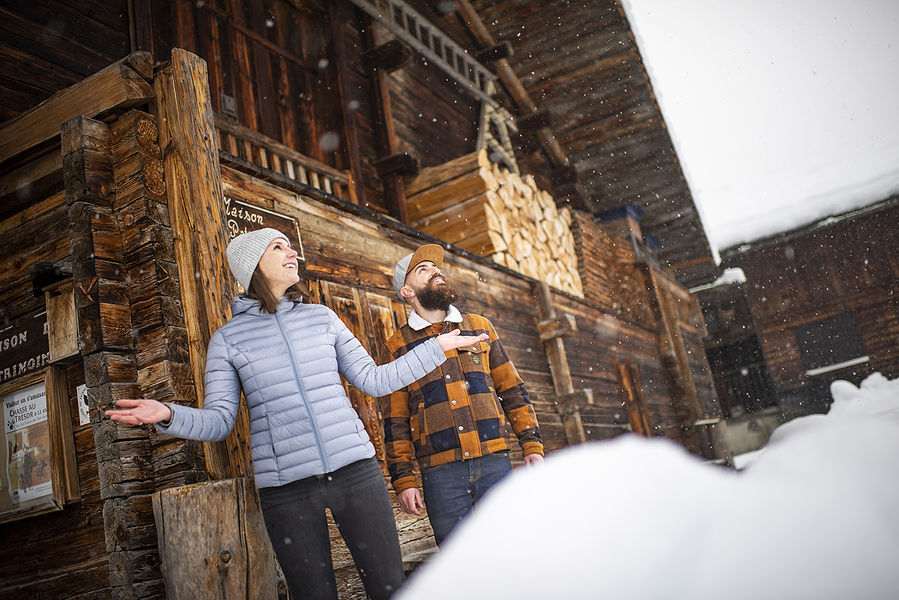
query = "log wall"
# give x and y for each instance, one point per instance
(58, 554)
(847, 266)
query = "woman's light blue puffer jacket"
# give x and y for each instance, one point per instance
(301, 421)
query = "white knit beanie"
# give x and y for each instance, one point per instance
(245, 250)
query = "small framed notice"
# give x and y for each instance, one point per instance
(37, 463)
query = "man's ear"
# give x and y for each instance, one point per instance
(406, 292)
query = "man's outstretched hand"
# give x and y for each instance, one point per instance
(454, 339)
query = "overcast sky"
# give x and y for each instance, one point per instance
(781, 111)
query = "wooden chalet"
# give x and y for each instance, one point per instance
(823, 302)
(138, 136)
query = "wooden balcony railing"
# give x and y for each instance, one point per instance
(264, 152)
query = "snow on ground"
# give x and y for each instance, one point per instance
(816, 515)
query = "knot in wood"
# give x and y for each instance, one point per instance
(225, 556)
(147, 134)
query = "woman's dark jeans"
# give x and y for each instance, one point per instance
(452, 489)
(357, 496)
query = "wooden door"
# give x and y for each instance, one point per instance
(372, 318)
(632, 392)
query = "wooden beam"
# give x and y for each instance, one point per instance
(556, 327)
(511, 81)
(187, 140)
(495, 52)
(559, 370)
(121, 85)
(534, 121)
(389, 56)
(401, 163)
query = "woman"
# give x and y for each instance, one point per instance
(310, 450)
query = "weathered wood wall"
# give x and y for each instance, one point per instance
(848, 266)
(673, 375)
(61, 42)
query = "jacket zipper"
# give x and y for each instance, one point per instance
(296, 374)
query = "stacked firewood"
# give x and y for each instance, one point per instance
(497, 214)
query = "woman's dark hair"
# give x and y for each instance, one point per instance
(259, 290)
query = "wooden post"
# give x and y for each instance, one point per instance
(213, 543)
(394, 185)
(187, 139)
(338, 16)
(570, 402)
(675, 359)
(672, 348)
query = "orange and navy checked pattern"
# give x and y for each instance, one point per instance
(461, 410)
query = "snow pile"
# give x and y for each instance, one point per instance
(816, 515)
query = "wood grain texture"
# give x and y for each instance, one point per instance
(230, 560)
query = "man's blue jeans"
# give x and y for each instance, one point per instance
(453, 488)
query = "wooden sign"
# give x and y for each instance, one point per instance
(24, 346)
(243, 217)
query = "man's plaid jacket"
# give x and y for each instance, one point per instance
(461, 410)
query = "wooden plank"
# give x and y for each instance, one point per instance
(213, 543)
(120, 85)
(66, 487)
(450, 192)
(432, 176)
(29, 174)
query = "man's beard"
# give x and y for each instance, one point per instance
(437, 297)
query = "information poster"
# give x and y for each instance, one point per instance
(26, 454)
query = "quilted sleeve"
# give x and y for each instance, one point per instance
(360, 369)
(215, 420)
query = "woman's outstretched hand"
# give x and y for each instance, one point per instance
(140, 411)
(454, 339)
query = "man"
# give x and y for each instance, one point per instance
(456, 419)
